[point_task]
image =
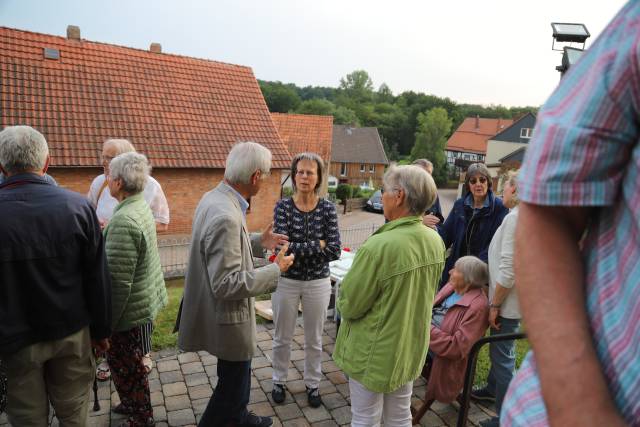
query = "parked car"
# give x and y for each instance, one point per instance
(374, 203)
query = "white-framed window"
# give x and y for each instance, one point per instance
(526, 133)
(466, 156)
(362, 167)
(343, 169)
(372, 168)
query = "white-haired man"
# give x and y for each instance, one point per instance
(55, 291)
(217, 313)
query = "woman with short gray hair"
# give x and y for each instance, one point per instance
(473, 220)
(385, 302)
(459, 319)
(138, 289)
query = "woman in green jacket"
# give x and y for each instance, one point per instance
(138, 290)
(385, 302)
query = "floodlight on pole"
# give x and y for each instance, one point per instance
(569, 57)
(565, 32)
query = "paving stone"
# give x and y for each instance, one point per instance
(337, 377)
(154, 374)
(329, 348)
(265, 345)
(192, 368)
(98, 421)
(103, 393)
(202, 353)
(260, 362)
(298, 422)
(159, 413)
(154, 385)
(174, 403)
(209, 360)
(431, 419)
(157, 398)
(342, 415)
(326, 339)
(203, 391)
(301, 399)
(115, 399)
(174, 389)
(257, 395)
(260, 327)
(262, 409)
(329, 366)
(211, 370)
(419, 391)
(333, 400)
(299, 339)
(263, 336)
(192, 380)
(419, 382)
(188, 357)
(182, 417)
(298, 331)
(296, 386)
(213, 381)
(171, 377)
(288, 412)
(199, 405)
(263, 373)
(254, 382)
(343, 389)
(293, 374)
(268, 354)
(167, 353)
(162, 424)
(326, 423)
(324, 356)
(299, 364)
(105, 407)
(168, 365)
(326, 387)
(297, 355)
(316, 414)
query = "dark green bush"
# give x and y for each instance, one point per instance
(344, 192)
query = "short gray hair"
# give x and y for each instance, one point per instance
(122, 145)
(419, 188)
(133, 169)
(512, 178)
(424, 163)
(474, 271)
(476, 169)
(22, 149)
(244, 159)
(312, 157)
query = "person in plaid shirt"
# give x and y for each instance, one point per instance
(578, 244)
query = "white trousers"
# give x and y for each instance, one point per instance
(315, 296)
(367, 406)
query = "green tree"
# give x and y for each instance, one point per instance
(345, 116)
(280, 98)
(357, 85)
(316, 106)
(430, 140)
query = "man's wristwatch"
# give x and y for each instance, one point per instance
(494, 305)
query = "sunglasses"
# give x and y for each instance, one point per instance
(480, 179)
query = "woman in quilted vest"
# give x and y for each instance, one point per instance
(312, 226)
(138, 290)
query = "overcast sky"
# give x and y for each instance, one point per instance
(475, 51)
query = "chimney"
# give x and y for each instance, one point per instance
(477, 121)
(155, 48)
(73, 32)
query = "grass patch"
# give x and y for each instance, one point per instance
(483, 365)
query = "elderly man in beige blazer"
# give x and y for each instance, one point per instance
(217, 312)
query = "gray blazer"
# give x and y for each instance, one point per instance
(217, 309)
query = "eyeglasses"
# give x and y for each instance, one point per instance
(307, 173)
(481, 179)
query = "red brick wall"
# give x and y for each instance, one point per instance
(184, 188)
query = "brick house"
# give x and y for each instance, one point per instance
(357, 156)
(303, 133)
(469, 141)
(510, 139)
(183, 113)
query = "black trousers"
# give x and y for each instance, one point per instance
(231, 396)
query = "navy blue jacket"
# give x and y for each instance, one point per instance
(468, 233)
(53, 272)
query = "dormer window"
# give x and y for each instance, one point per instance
(526, 133)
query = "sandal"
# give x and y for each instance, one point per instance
(148, 363)
(103, 373)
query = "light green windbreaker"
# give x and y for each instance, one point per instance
(385, 302)
(137, 283)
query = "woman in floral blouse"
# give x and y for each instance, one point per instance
(312, 226)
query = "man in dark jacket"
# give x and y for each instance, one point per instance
(54, 287)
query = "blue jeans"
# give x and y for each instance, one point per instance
(231, 396)
(503, 360)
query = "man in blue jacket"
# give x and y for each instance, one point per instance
(55, 292)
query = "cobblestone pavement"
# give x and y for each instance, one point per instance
(182, 383)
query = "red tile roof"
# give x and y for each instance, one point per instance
(304, 132)
(472, 135)
(181, 112)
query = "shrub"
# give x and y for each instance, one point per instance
(287, 191)
(356, 192)
(331, 190)
(344, 192)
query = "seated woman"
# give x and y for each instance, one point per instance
(459, 319)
